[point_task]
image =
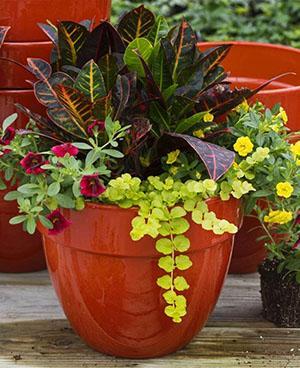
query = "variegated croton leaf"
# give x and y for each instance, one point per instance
(216, 159)
(136, 24)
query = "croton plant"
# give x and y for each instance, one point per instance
(133, 118)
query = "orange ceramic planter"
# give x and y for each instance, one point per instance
(250, 64)
(13, 76)
(8, 99)
(248, 253)
(19, 251)
(23, 15)
(106, 282)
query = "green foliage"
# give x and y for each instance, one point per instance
(275, 21)
(163, 205)
(271, 166)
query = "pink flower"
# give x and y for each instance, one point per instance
(91, 186)
(32, 163)
(63, 149)
(60, 223)
(8, 136)
(5, 152)
(97, 125)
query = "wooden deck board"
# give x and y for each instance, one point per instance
(35, 333)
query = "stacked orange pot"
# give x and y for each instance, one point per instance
(20, 252)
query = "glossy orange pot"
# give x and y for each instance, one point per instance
(19, 251)
(106, 282)
(8, 98)
(13, 76)
(248, 253)
(23, 15)
(251, 63)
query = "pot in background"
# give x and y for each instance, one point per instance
(19, 251)
(8, 98)
(23, 15)
(106, 282)
(13, 76)
(252, 63)
(248, 252)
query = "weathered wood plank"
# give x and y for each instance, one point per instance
(53, 344)
(236, 335)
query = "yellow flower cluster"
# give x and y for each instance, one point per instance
(279, 217)
(243, 146)
(243, 107)
(284, 189)
(295, 149)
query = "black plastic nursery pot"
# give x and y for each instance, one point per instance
(280, 296)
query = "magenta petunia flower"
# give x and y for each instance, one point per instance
(96, 125)
(60, 223)
(63, 149)
(91, 186)
(8, 136)
(32, 163)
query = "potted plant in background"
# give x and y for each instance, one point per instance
(270, 163)
(127, 109)
(248, 253)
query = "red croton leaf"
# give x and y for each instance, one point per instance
(217, 160)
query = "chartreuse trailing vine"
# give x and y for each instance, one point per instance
(163, 205)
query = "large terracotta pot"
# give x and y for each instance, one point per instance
(19, 251)
(251, 63)
(8, 98)
(106, 282)
(23, 15)
(13, 76)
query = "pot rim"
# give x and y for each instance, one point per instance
(26, 43)
(93, 205)
(265, 45)
(16, 91)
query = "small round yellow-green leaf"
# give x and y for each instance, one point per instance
(183, 262)
(170, 311)
(170, 296)
(177, 212)
(165, 282)
(166, 263)
(197, 217)
(164, 246)
(182, 243)
(189, 205)
(181, 284)
(179, 225)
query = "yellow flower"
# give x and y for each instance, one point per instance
(208, 117)
(282, 114)
(243, 146)
(173, 170)
(244, 106)
(199, 133)
(295, 148)
(284, 189)
(279, 217)
(172, 157)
